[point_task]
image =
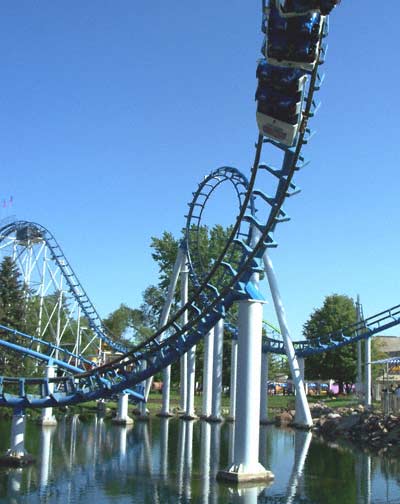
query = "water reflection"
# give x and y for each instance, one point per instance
(173, 461)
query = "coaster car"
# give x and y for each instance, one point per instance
(293, 41)
(295, 7)
(279, 102)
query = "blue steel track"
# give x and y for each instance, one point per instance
(215, 291)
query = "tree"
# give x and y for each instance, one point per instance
(207, 247)
(337, 312)
(12, 313)
(127, 325)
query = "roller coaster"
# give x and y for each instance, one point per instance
(288, 79)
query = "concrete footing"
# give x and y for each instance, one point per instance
(13, 459)
(122, 417)
(215, 419)
(122, 421)
(189, 417)
(165, 414)
(47, 421)
(238, 474)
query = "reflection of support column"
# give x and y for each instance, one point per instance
(17, 455)
(232, 387)
(246, 495)
(367, 465)
(147, 449)
(301, 446)
(205, 460)
(122, 439)
(47, 417)
(45, 455)
(246, 466)
(14, 486)
(207, 373)
(181, 454)
(73, 438)
(368, 378)
(122, 417)
(214, 459)
(264, 389)
(187, 480)
(184, 359)
(217, 371)
(303, 415)
(164, 447)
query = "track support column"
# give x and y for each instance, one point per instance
(207, 373)
(303, 414)
(367, 374)
(246, 466)
(17, 456)
(217, 372)
(233, 382)
(166, 388)
(264, 389)
(47, 418)
(184, 359)
(122, 417)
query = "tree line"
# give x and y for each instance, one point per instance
(19, 309)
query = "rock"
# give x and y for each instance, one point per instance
(284, 418)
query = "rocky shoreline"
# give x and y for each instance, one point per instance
(365, 429)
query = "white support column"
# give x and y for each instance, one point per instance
(301, 362)
(367, 374)
(180, 260)
(166, 388)
(184, 359)
(217, 372)
(264, 388)
(359, 384)
(122, 417)
(232, 387)
(191, 377)
(143, 411)
(47, 418)
(188, 463)
(17, 455)
(246, 466)
(207, 373)
(303, 415)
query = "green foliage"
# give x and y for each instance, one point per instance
(13, 309)
(127, 325)
(337, 312)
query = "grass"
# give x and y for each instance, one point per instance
(276, 403)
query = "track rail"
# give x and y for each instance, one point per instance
(209, 302)
(75, 287)
(347, 336)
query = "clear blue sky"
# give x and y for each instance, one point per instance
(112, 112)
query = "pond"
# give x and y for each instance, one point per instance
(175, 461)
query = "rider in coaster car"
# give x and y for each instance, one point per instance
(280, 78)
(295, 38)
(299, 6)
(284, 109)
